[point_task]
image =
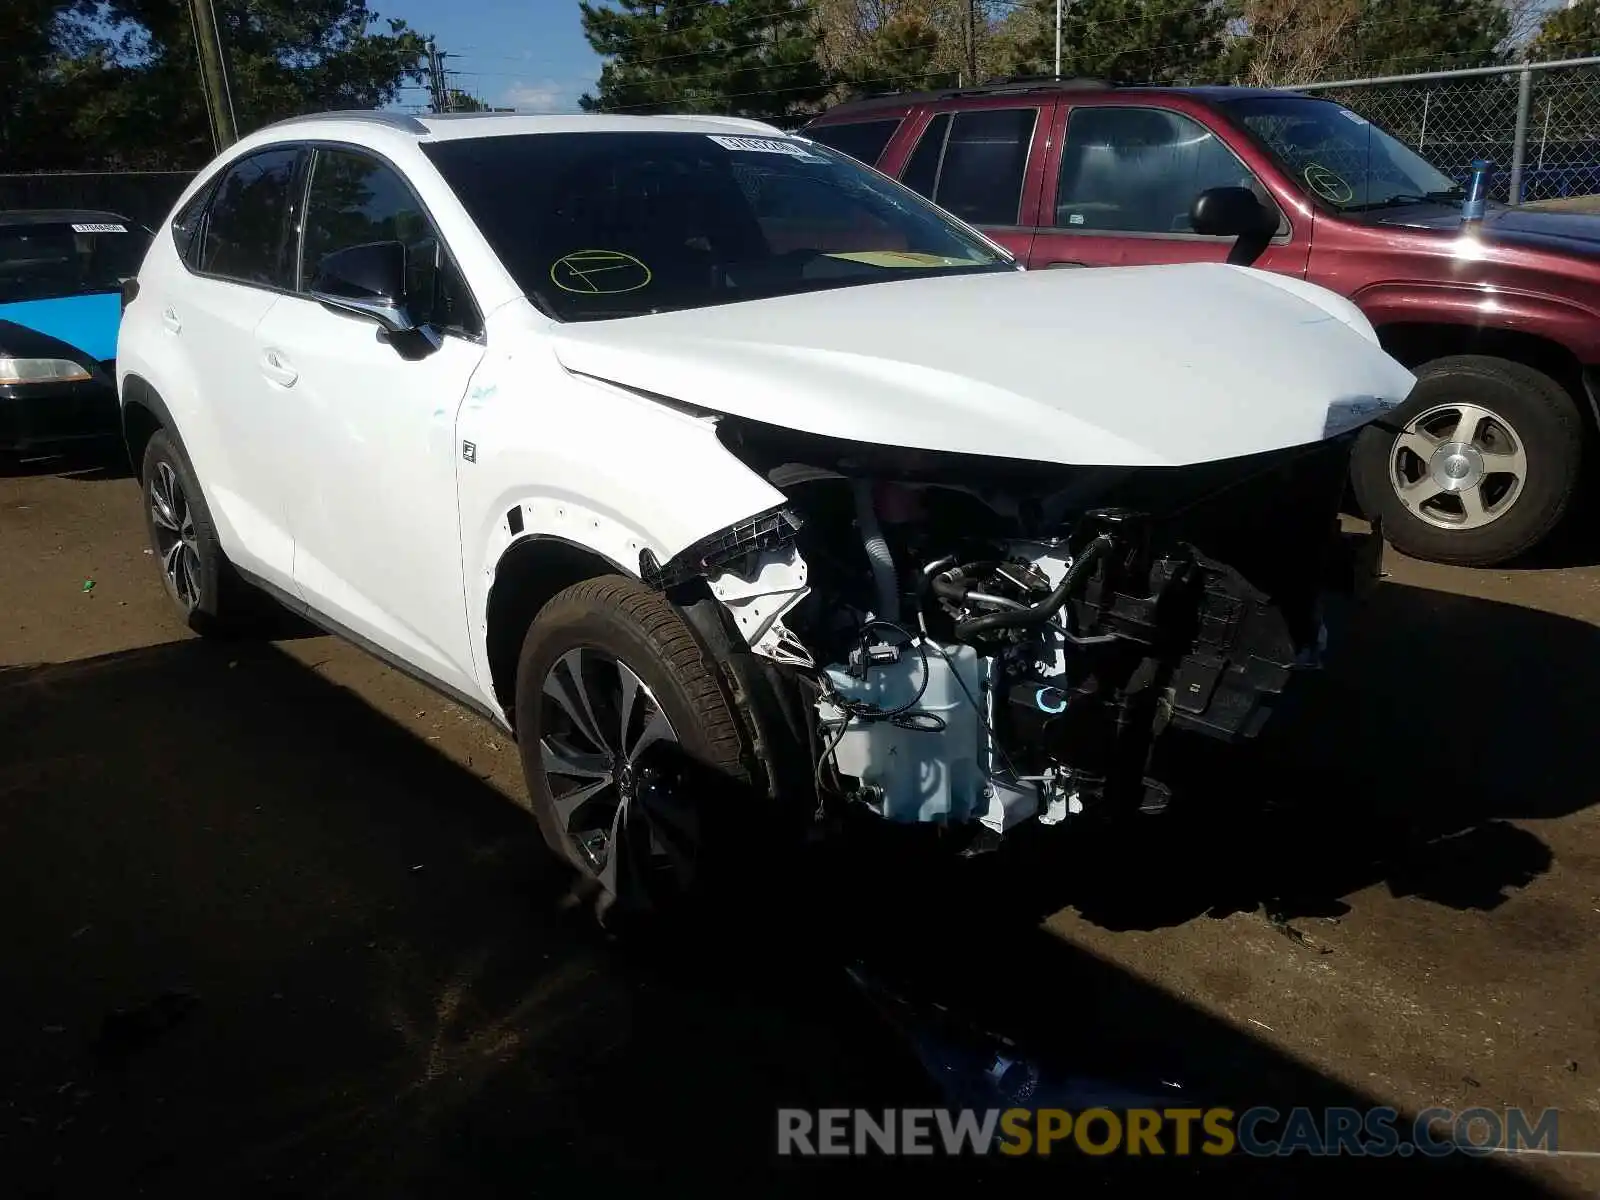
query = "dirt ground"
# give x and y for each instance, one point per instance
(274, 921)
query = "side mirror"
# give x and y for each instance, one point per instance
(1235, 212)
(366, 281)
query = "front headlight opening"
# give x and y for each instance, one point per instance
(41, 370)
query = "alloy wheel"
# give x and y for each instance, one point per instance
(598, 720)
(1458, 466)
(173, 522)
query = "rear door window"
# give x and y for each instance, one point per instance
(922, 169)
(246, 235)
(973, 163)
(861, 140)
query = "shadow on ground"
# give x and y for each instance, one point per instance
(259, 938)
(1440, 719)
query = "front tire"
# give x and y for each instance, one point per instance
(632, 750)
(1477, 467)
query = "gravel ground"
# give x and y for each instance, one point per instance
(275, 921)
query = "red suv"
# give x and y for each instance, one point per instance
(1499, 319)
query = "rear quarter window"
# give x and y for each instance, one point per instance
(864, 141)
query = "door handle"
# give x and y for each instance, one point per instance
(170, 320)
(1057, 265)
(276, 368)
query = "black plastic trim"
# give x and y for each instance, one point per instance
(764, 531)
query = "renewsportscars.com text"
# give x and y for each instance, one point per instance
(1260, 1132)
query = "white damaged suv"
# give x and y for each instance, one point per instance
(687, 450)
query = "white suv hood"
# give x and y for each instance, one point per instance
(1141, 366)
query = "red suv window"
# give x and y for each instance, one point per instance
(1138, 170)
(862, 140)
(973, 163)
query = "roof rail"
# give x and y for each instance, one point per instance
(375, 116)
(1004, 86)
(481, 112)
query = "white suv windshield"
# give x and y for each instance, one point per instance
(1339, 155)
(595, 225)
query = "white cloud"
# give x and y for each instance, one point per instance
(544, 96)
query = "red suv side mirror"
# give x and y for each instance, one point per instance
(1235, 212)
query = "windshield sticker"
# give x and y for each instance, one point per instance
(100, 229)
(1329, 186)
(599, 273)
(757, 145)
(1352, 116)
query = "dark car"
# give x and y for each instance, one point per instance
(61, 277)
(1500, 320)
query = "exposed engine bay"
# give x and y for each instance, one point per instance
(988, 642)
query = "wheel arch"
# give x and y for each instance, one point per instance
(527, 575)
(1415, 343)
(144, 412)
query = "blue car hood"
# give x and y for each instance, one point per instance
(86, 323)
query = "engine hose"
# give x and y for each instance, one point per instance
(882, 562)
(955, 582)
(1041, 612)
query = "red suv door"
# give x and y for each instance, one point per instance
(982, 160)
(1121, 176)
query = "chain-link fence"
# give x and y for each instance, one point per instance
(1539, 123)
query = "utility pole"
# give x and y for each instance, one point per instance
(972, 42)
(1058, 39)
(436, 79)
(213, 75)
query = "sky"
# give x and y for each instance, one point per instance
(529, 54)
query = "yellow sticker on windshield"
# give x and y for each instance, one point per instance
(1329, 186)
(599, 273)
(897, 258)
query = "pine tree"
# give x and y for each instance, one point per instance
(1569, 33)
(752, 58)
(1397, 37)
(1130, 41)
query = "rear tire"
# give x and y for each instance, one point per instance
(1477, 467)
(613, 686)
(196, 574)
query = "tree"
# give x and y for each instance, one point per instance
(1396, 37)
(120, 86)
(1295, 41)
(750, 58)
(1130, 41)
(872, 46)
(456, 100)
(1572, 32)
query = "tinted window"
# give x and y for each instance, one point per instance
(355, 200)
(186, 225)
(922, 172)
(864, 140)
(246, 228)
(46, 261)
(620, 224)
(985, 158)
(1138, 170)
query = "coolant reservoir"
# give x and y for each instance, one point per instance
(916, 774)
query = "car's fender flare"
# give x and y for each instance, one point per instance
(1567, 324)
(138, 393)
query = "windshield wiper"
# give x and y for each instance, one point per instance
(1453, 196)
